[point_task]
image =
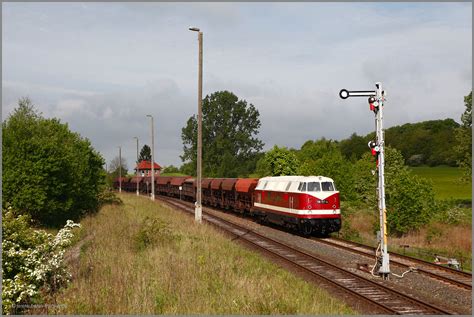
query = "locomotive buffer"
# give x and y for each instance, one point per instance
(376, 100)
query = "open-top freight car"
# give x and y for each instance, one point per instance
(309, 204)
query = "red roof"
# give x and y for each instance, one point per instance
(146, 165)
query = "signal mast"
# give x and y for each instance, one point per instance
(376, 101)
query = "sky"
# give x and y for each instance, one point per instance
(102, 67)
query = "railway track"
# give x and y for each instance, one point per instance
(445, 274)
(385, 299)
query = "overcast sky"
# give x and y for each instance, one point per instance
(101, 67)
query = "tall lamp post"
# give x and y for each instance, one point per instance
(198, 208)
(120, 169)
(152, 159)
(136, 173)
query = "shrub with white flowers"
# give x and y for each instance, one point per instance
(33, 260)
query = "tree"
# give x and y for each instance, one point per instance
(145, 154)
(464, 140)
(278, 162)
(170, 169)
(229, 129)
(114, 169)
(324, 157)
(354, 147)
(409, 198)
(49, 172)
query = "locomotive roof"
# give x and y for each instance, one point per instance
(296, 179)
(288, 183)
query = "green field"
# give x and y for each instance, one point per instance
(446, 181)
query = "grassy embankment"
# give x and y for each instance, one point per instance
(145, 258)
(452, 240)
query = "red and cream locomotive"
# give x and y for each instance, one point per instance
(309, 204)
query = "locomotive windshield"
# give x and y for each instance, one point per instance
(310, 186)
(314, 187)
(328, 186)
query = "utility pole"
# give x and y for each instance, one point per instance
(120, 169)
(198, 208)
(152, 158)
(136, 173)
(376, 103)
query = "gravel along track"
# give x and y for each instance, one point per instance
(445, 274)
(388, 299)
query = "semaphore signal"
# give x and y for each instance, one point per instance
(376, 101)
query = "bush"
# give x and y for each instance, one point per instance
(32, 260)
(108, 196)
(152, 232)
(409, 198)
(49, 172)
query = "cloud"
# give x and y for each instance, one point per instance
(102, 67)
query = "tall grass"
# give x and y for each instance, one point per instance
(145, 258)
(434, 238)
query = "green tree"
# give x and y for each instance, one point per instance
(170, 169)
(354, 147)
(145, 154)
(324, 158)
(409, 198)
(464, 140)
(278, 161)
(229, 129)
(49, 172)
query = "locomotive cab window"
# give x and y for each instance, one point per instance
(314, 187)
(302, 187)
(288, 186)
(328, 186)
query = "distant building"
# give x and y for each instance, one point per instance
(144, 168)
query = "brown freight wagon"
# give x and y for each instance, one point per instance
(244, 190)
(229, 194)
(163, 185)
(189, 189)
(206, 191)
(117, 183)
(176, 186)
(145, 185)
(133, 183)
(216, 192)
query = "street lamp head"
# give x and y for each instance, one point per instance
(149, 115)
(193, 28)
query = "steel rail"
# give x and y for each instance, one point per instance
(465, 281)
(388, 299)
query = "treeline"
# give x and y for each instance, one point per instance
(49, 173)
(410, 196)
(231, 149)
(430, 143)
